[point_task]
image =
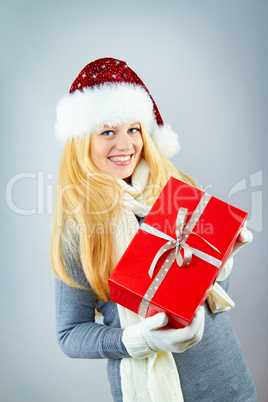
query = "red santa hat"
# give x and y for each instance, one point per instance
(108, 92)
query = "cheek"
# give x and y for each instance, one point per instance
(97, 151)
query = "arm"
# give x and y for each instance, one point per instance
(79, 336)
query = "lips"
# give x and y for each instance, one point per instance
(121, 160)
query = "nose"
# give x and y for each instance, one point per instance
(123, 141)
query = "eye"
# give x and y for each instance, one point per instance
(107, 133)
(133, 130)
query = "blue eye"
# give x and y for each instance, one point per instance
(133, 130)
(108, 133)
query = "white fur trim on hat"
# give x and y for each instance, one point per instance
(81, 113)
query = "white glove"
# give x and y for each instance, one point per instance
(149, 335)
(245, 236)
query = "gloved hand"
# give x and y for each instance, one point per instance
(245, 236)
(149, 335)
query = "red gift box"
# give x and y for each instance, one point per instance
(157, 272)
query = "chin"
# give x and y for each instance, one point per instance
(125, 175)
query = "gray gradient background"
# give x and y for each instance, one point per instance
(205, 63)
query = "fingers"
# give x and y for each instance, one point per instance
(194, 332)
(170, 339)
(200, 328)
(245, 236)
(157, 321)
(197, 323)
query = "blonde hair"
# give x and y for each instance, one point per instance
(87, 202)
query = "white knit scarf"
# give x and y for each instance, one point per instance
(156, 377)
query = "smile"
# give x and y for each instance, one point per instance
(121, 160)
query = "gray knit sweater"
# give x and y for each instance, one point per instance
(213, 370)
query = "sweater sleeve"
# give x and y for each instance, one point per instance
(79, 336)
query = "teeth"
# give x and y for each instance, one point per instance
(120, 158)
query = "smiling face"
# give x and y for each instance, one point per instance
(117, 150)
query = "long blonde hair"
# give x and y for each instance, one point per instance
(87, 202)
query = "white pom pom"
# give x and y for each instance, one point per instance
(166, 140)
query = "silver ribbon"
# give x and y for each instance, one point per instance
(175, 245)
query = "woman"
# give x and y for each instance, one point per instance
(113, 168)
